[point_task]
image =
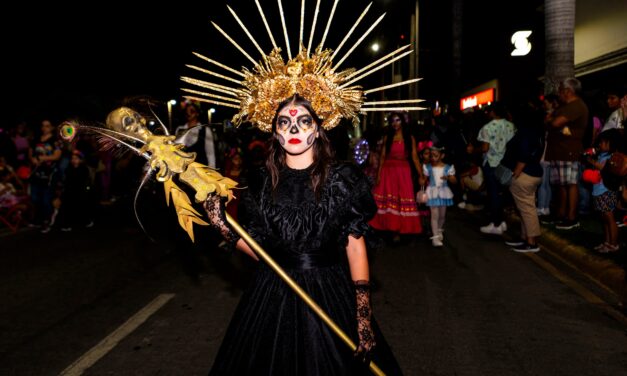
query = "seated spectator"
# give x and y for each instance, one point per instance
(12, 193)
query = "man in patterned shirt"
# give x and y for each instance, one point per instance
(494, 137)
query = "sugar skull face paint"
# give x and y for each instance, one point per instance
(296, 129)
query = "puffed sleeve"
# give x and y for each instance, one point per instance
(250, 207)
(360, 206)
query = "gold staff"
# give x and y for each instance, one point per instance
(299, 291)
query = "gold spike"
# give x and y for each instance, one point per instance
(213, 73)
(210, 95)
(392, 85)
(313, 27)
(326, 30)
(392, 109)
(287, 39)
(351, 30)
(265, 22)
(359, 41)
(394, 102)
(234, 43)
(210, 85)
(219, 64)
(377, 62)
(302, 25)
(377, 68)
(241, 24)
(211, 101)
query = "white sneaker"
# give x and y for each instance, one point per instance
(462, 205)
(436, 240)
(503, 226)
(491, 229)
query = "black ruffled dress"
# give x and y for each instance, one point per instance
(273, 332)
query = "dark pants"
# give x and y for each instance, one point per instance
(41, 195)
(495, 202)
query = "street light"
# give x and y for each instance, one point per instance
(375, 47)
(210, 112)
(171, 103)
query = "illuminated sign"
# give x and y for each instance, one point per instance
(519, 40)
(480, 98)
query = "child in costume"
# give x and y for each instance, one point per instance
(439, 193)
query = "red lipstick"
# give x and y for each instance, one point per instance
(294, 141)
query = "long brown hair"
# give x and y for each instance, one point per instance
(322, 152)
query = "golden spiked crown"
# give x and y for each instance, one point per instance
(333, 94)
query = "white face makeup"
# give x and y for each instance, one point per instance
(296, 129)
(396, 122)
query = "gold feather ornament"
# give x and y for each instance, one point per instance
(334, 94)
(269, 84)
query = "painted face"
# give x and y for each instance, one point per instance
(396, 122)
(296, 129)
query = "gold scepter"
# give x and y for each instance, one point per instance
(127, 127)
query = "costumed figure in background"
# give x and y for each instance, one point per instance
(309, 212)
(439, 194)
(394, 191)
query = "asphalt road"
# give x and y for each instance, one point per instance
(470, 308)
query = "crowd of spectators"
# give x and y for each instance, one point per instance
(538, 155)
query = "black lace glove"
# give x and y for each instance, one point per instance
(367, 341)
(214, 205)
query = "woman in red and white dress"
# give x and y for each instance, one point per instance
(394, 189)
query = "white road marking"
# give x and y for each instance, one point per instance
(101, 349)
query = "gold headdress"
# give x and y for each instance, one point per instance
(332, 93)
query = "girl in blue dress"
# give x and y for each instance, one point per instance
(439, 193)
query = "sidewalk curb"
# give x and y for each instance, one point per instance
(604, 271)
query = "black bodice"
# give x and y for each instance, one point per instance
(300, 231)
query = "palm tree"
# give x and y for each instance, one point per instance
(559, 25)
(458, 11)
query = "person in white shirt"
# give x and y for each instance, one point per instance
(197, 137)
(616, 119)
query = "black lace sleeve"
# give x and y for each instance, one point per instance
(360, 206)
(250, 207)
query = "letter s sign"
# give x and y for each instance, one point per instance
(519, 40)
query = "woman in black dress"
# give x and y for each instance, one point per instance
(311, 215)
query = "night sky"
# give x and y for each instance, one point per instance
(142, 50)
